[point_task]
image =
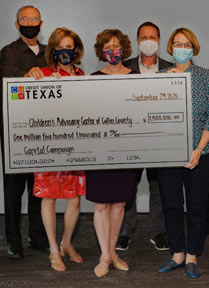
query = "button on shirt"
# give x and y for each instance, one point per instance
(149, 70)
(17, 59)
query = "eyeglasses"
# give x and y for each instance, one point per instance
(186, 45)
(27, 19)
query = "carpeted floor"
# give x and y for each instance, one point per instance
(34, 270)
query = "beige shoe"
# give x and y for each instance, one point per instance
(103, 267)
(56, 263)
(119, 263)
(74, 256)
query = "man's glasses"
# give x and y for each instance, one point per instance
(27, 19)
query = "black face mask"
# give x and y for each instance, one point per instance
(29, 31)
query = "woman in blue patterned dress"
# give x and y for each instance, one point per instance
(182, 45)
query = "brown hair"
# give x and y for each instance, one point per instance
(148, 24)
(26, 7)
(189, 34)
(54, 40)
(106, 36)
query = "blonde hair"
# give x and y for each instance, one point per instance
(189, 34)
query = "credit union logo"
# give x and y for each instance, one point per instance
(36, 92)
(17, 93)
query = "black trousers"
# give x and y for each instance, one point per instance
(207, 223)
(14, 186)
(196, 183)
(156, 216)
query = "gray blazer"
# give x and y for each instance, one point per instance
(134, 64)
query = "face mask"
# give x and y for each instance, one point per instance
(64, 56)
(29, 31)
(113, 56)
(182, 55)
(148, 47)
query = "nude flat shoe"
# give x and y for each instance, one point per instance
(119, 263)
(103, 267)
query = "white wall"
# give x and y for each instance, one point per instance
(89, 17)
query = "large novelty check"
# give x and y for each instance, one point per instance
(97, 122)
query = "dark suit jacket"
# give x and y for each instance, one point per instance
(134, 64)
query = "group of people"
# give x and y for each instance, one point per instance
(112, 191)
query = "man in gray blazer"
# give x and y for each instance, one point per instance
(148, 40)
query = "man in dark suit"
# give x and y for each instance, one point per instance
(17, 60)
(148, 40)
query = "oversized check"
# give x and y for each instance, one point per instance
(97, 122)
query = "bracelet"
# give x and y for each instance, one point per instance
(200, 149)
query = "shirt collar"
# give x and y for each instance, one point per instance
(190, 68)
(25, 47)
(153, 65)
(145, 69)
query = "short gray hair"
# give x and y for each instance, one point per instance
(25, 7)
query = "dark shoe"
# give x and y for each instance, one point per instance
(192, 270)
(34, 245)
(123, 243)
(169, 266)
(160, 242)
(14, 252)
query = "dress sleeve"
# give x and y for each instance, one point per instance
(80, 72)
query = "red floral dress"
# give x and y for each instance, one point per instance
(60, 184)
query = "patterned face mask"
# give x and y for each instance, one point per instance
(113, 56)
(64, 56)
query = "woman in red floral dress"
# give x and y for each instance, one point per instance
(64, 49)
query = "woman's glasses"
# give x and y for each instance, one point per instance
(186, 45)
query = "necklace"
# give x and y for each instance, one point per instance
(72, 71)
